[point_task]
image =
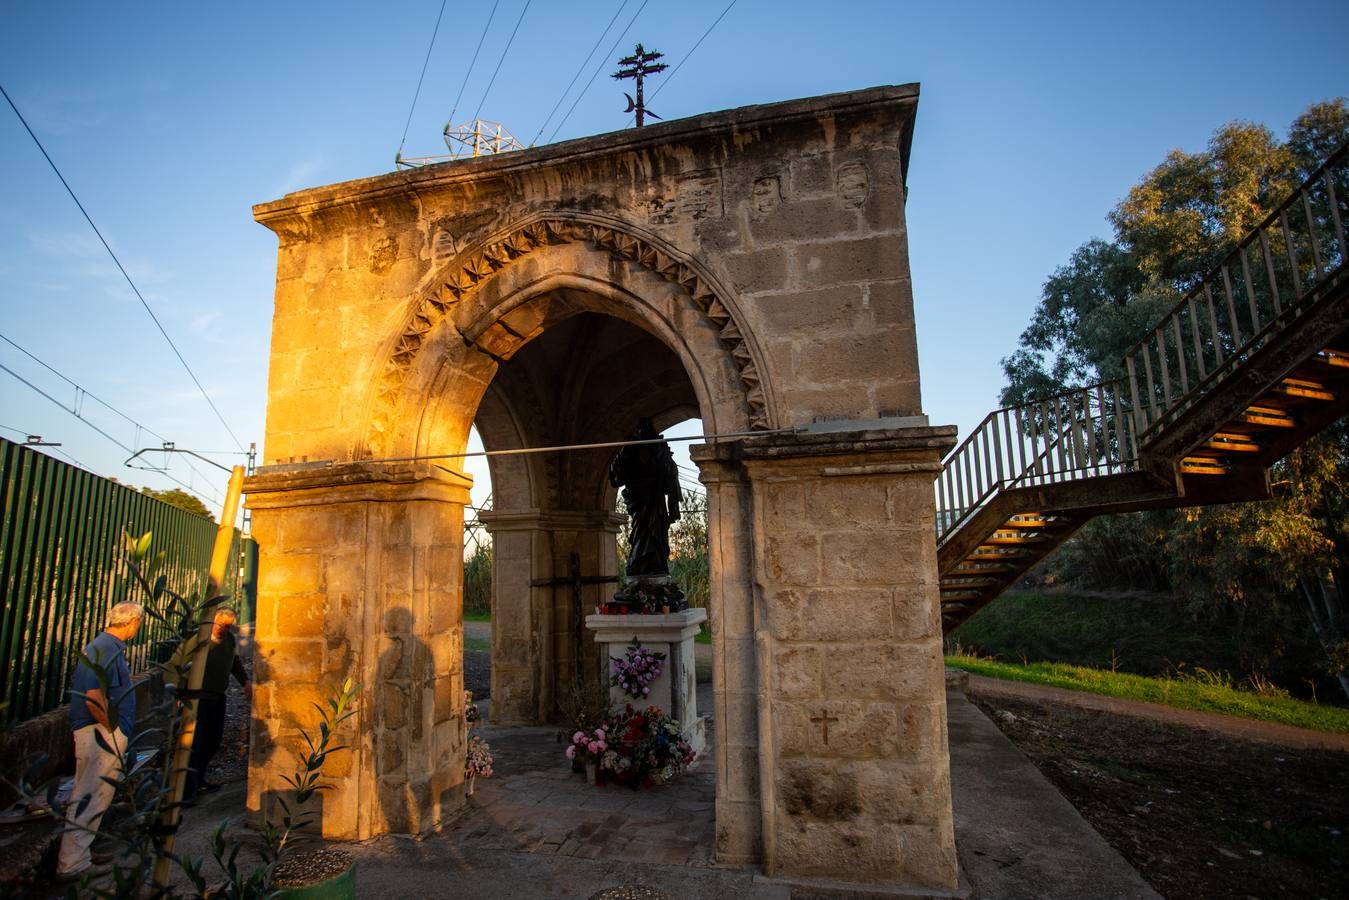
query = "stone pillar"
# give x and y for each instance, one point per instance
(360, 575)
(535, 628)
(736, 696)
(670, 634)
(853, 731)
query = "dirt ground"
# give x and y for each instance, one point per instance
(1199, 815)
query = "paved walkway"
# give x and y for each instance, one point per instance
(1232, 726)
(536, 830)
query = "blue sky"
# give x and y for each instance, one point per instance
(170, 120)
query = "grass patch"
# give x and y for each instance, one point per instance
(478, 645)
(1206, 694)
(478, 615)
(703, 636)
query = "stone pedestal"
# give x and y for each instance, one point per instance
(671, 634)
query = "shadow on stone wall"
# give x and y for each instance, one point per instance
(403, 668)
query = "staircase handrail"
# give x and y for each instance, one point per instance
(1016, 446)
(1217, 341)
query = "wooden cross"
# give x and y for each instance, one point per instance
(824, 718)
(575, 580)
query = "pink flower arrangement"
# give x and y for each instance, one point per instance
(478, 760)
(587, 746)
(637, 670)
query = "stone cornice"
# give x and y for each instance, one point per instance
(708, 127)
(311, 484)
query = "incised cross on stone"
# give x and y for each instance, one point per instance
(824, 718)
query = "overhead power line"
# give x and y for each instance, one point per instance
(421, 78)
(598, 69)
(495, 71)
(579, 69)
(76, 409)
(696, 45)
(473, 62)
(27, 434)
(121, 269)
(183, 484)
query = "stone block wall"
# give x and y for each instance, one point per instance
(853, 742)
(362, 578)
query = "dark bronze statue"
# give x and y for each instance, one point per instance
(650, 483)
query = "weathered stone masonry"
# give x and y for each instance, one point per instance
(747, 267)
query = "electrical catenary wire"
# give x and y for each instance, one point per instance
(417, 93)
(473, 62)
(45, 447)
(497, 70)
(81, 394)
(696, 44)
(135, 290)
(579, 69)
(183, 484)
(595, 74)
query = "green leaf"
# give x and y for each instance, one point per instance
(143, 545)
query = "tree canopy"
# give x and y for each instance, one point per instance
(1270, 563)
(181, 499)
(1169, 230)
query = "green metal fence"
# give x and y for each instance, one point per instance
(63, 564)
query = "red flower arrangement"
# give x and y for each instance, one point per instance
(645, 746)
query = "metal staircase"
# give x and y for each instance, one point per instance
(1245, 368)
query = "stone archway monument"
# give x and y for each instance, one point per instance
(752, 268)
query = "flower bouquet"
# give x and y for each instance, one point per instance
(645, 747)
(477, 761)
(588, 748)
(478, 756)
(636, 670)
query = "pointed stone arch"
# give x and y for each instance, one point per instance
(466, 301)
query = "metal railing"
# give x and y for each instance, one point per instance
(62, 565)
(1082, 433)
(1290, 259)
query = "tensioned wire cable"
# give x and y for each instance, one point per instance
(557, 448)
(135, 290)
(579, 69)
(473, 62)
(507, 49)
(81, 393)
(698, 43)
(48, 447)
(184, 485)
(421, 78)
(596, 73)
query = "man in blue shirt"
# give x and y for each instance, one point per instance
(95, 712)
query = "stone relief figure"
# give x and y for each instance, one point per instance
(650, 483)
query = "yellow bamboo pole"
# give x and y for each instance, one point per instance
(172, 813)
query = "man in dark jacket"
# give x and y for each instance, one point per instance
(221, 662)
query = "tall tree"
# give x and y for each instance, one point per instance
(1169, 231)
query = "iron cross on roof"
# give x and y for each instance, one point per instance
(638, 66)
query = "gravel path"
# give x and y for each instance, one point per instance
(1231, 726)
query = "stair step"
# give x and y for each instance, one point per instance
(1012, 540)
(1191, 465)
(996, 554)
(1267, 416)
(956, 596)
(1298, 387)
(1232, 443)
(1336, 358)
(967, 568)
(967, 582)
